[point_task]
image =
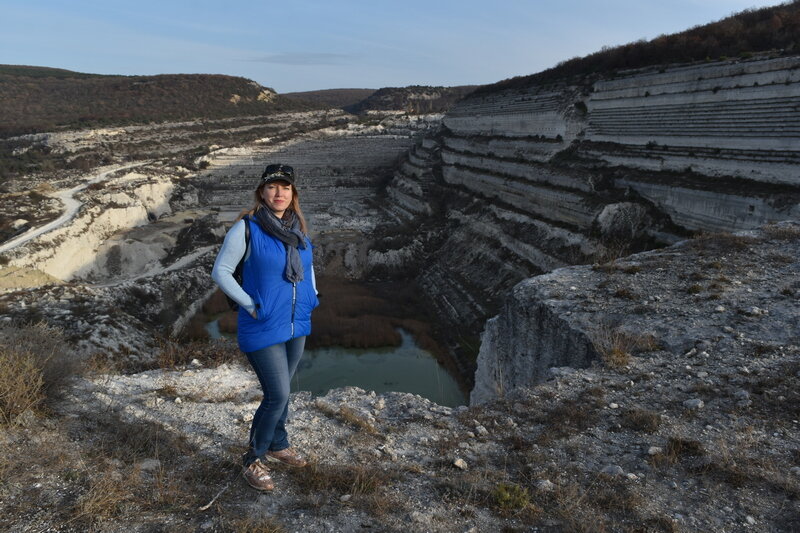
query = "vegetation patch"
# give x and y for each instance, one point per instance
(616, 345)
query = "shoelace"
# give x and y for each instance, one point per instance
(261, 471)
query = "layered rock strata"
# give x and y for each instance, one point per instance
(523, 181)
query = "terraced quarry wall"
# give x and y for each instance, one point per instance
(523, 181)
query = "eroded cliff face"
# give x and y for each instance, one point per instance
(520, 182)
(737, 290)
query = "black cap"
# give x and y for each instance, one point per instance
(278, 173)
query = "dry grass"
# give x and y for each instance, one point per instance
(641, 420)
(105, 497)
(511, 499)
(34, 366)
(722, 242)
(356, 480)
(571, 416)
(173, 354)
(616, 345)
(695, 288)
(782, 232)
(624, 292)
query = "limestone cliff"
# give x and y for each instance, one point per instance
(523, 180)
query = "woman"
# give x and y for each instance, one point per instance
(275, 301)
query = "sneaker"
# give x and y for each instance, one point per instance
(289, 456)
(257, 476)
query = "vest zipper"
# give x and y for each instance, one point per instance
(294, 301)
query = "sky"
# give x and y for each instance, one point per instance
(302, 45)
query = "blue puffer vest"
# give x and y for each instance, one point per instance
(283, 308)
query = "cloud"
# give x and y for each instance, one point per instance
(309, 58)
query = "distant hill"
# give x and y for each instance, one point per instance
(770, 29)
(339, 98)
(413, 99)
(40, 99)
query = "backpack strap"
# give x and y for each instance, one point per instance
(246, 237)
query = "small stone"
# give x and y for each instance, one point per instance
(380, 404)
(741, 395)
(196, 363)
(613, 406)
(720, 309)
(482, 431)
(149, 465)
(702, 374)
(673, 485)
(460, 464)
(727, 329)
(470, 435)
(345, 497)
(744, 403)
(418, 517)
(545, 485)
(613, 470)
(159, 401)
(632, 476)
(795, 470)
(178, 400)
(750, 520)
(694, 403)
(654, 450)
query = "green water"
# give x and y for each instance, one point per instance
(406, 368)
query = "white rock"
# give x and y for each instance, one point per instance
(545, 485)
(178, 400)
(720, 309)
(482, 431)
(196, 363)
(149, 465)
(694, 403)
(345, 497)
(460, 463)
(702, 374)
(654, 450)
(613, 406)
(750, 520)
(613, 470)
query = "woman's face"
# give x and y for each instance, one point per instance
(277, 196)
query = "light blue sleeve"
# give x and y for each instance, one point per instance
(232, 251)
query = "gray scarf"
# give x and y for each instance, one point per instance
(287, 231)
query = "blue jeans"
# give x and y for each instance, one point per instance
(274, 366)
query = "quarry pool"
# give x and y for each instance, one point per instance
(404, 368)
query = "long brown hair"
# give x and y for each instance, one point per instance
(294, 207)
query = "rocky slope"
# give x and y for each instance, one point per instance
(690, 422)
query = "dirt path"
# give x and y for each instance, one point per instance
(71, 207)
